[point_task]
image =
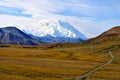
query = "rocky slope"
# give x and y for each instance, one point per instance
(12, 35)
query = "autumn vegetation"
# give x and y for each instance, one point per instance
(59, 61)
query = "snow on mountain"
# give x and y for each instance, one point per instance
(54, 29)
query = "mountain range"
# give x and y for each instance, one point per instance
(52, 32)
(48, 32)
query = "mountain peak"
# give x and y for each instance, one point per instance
(72, 31)
(55, 29)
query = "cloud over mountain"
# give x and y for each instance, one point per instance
(80, 13)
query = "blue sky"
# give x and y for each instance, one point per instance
(12, 11)
(91, 17)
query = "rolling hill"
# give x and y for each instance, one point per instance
(107, 41)
(110, 35)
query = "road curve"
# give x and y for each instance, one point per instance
(85, 75)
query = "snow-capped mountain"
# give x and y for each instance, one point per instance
(55, 29)
(44, 31)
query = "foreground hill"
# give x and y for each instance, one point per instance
(12, 35)
(110, 35)
(108, 41)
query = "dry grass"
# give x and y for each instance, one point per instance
(111, 71)
(58, 62)
(33, 63)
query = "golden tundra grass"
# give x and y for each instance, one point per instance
(20, 63)
(111, 71)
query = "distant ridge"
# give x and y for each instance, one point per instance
(12, 35)
(112, 34)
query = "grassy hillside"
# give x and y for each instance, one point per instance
(38, 63)
(112, 71)
(59, 61)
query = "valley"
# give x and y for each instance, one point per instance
(63, 61)
(56, 62)
(59, 40)
(36, 64)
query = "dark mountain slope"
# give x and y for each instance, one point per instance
(12, 35)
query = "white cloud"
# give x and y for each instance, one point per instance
(46, 9)
(20, 22)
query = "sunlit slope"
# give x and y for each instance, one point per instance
(108, 41)
(36, 63)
